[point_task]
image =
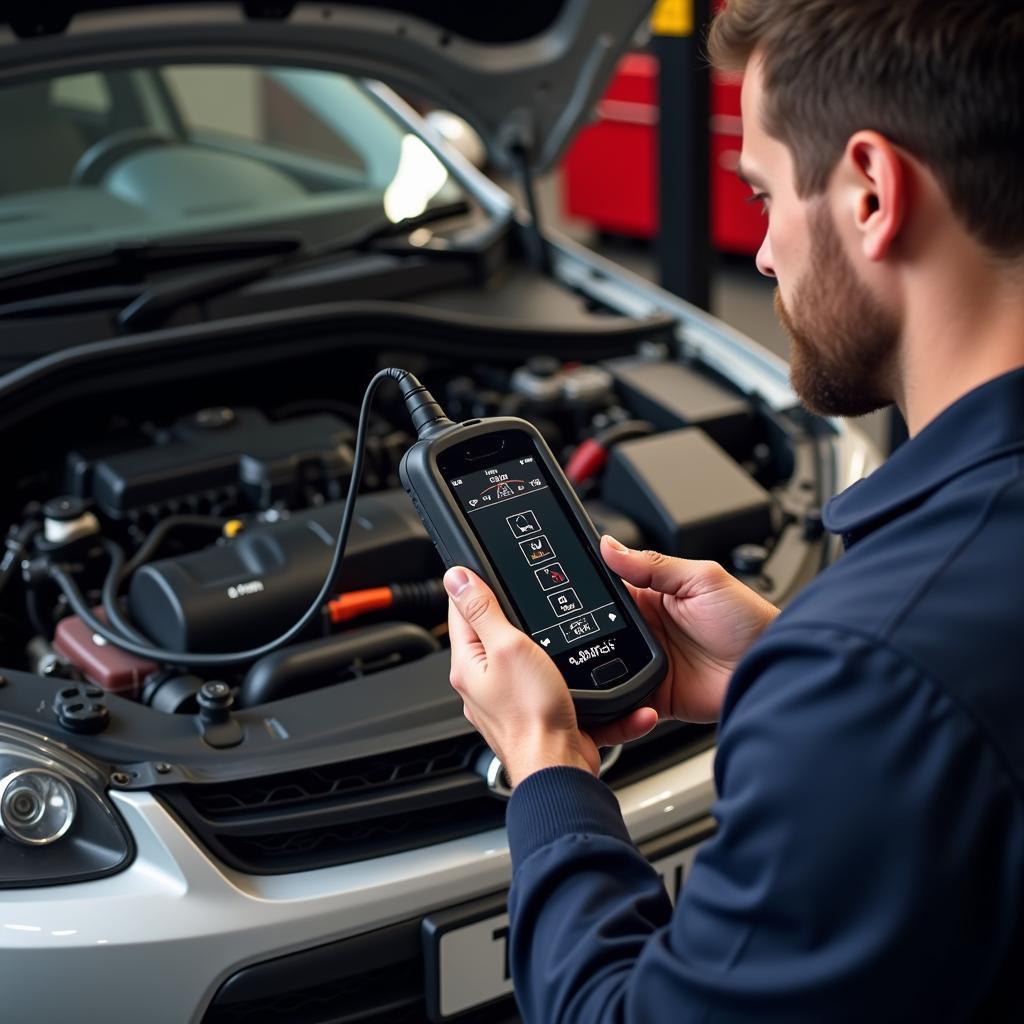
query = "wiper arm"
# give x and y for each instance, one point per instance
(362, 237)
(149, 308)
(128, 262)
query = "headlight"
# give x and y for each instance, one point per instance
(55, 822)
(36, 806)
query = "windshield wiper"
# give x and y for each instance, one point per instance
(129, 262)
(150, 307)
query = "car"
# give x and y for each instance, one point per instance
(217, 221)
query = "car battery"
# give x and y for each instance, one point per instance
(687, 495)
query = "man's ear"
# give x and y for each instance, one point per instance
(873, 188)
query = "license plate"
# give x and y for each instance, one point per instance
(467, 948)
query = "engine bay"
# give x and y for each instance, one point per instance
(206, 528)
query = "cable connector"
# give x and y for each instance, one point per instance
(424, 410)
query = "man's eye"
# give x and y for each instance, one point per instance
(762, 198)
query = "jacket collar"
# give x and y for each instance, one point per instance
(983, 425)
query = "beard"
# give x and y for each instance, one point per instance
(845, 345)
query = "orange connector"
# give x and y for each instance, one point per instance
(359, 602)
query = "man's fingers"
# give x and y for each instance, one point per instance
(477, 605)
(632, 727)
(649, 569)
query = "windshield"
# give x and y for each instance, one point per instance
(121, 155)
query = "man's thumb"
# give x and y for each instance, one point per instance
(476, 603)
(663, 573)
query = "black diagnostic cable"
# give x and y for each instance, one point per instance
(426, 415)
(115, 574)
(151, 544)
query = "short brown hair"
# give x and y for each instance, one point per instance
(943, 79)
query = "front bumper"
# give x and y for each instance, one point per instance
(158, 940)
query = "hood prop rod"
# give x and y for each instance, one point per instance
(537, 251)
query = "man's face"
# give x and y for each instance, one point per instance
(844, 342)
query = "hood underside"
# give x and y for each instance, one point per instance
(526, 77)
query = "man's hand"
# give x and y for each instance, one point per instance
(514, 695)
(512, 691)
(704, 618)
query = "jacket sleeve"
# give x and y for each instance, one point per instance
(866, 864)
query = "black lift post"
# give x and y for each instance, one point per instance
(684, 239)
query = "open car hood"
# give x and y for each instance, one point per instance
(525, 75)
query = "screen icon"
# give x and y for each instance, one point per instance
(565, 603)
(537, 549)
(584, 626)
(504, 491)
(523, 524)
(552, 576)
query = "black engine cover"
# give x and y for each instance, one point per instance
(241, 593)
(216, 455)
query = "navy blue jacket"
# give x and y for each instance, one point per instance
(869, 860)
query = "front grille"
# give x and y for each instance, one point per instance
(374, 806)
(393, 995)
(336, 780)
(390, 995)
(344, 812)
(306, 849)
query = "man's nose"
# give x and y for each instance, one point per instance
(765, 263)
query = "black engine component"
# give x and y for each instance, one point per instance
(217, 456)
(317, 663)
(689, 497)
(172, 692)
(81, 709)
(253, 587)
(218, 727)
(19, 539)
(671, 396)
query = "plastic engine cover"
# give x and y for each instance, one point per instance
(687, 495)
(241, 593)
(213, 454)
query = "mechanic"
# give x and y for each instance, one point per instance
(869, 859)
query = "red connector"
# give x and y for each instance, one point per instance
(587, 461)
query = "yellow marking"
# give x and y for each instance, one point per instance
(672, 18)
(233, 527)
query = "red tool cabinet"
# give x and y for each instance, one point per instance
(611, 172)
